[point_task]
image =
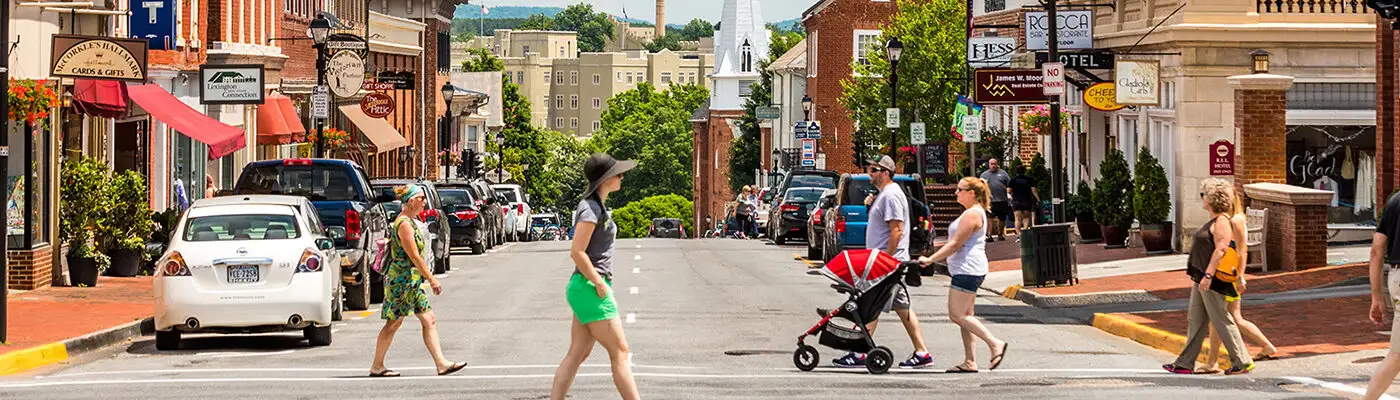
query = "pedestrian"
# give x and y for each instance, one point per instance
(1239, 228)
(744, 208)
(589, 291)
(887, 230)
(405, 271)
(1385, 250)
(966, 254)
(1208, 305)
(1024, 199)
(997, 182)
(210, 189)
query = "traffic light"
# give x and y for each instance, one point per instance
(465, 165)
(1387, 9)
(857, 150)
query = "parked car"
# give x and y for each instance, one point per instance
(666, 228)
(496, 206)
(541, 222)
(517, 200)
(765, 204)
(464, 216)
(488, 208)
(789, 216)
(807, 178)
(340, 191)
(248, 264)
(815, 227)
(845, 224)
(439, 232)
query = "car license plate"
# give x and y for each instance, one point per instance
(242, 274)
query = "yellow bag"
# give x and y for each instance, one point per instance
(1229, 267)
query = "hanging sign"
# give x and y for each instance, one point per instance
(1222, 158)
(231, 84)
(379, 86)
(767, 112)
(799, 130)
(98, 57)
(1076, 30)
(814, 130)
(1007, 86)
(345, 73)
(1138, 82)
(990, 51)
(1101, 97)
(377, 105)
(1084, 60)
(918, 133)
(402, 80)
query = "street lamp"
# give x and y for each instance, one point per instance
(320, 29)
(500, 155)
(446, 136)
(774, 164)
(806, 108)
(1261, 61)
(892, 50)
(406, 156)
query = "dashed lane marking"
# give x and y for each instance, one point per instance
(637, 257)
(243, 354)
(632, 290)
(631, 318)
(1337, 386)
(637, 270)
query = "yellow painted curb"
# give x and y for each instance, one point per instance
(1011, 291)
(1151, 337)
(33, 357)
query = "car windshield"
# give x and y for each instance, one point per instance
(315, 182)
(509, 194)
(804, 195)
(241, 227)
(817, 181)
(393, 208)
(451, 198)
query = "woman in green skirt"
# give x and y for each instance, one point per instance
(589, 291)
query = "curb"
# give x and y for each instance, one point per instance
(1149, 336)
(1077, 300)
(38, 356)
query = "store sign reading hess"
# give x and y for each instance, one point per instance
(98, 57)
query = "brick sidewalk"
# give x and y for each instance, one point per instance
(1006, 256)
(1304, 328)
(56, 313)
(1175, 284)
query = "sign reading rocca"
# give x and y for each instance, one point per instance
(98, 57)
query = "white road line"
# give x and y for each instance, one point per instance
(632, 290)
(1340, 387)
(639, 246)
(919, 377)
(631, 318)
(637, 270)
(637, 257)
(341, 370)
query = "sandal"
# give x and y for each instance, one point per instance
(960, 370)
(996, 359)
(1264, 357)
(1172, 368)
(454, 368)
(386, 373)
(1209, 371)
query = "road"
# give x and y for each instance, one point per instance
(706, 319)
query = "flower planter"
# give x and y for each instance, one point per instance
(1157, 238)
(1089, 230)
(1115, 237)
(125, 263)
(82, 272)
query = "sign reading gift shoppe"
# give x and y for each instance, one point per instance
(231, 84)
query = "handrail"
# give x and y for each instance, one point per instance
(1311, 7)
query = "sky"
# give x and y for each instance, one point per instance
(677, 11)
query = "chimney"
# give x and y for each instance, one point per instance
(660, 18)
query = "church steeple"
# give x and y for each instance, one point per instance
(740, 43)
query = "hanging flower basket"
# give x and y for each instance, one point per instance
(30, 101)
(1037, 120)
(334, 137)
(448, 157)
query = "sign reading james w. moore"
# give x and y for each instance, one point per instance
(231, 84)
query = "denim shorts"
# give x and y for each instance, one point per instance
(968, 283)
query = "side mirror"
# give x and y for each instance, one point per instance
(384, 198)
(335, 232)
(325, 244)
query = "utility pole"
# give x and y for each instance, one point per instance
(4, 158)
(1056, 142)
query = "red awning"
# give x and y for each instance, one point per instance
(221, 138)
(278, 122)
(100, 98)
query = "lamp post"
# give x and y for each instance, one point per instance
(892, 50)
(406, 156)
(500, 155)
(446, 136)
(320, 29)
(1261, 61)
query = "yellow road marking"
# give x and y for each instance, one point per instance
(810, 263)
(34, 357)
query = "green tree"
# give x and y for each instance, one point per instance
(482, 61)
(537, 22)
(696, 29)
(745, 155)
(931, 65)
(1152, 199)
(1113, 192)
(634, 218)
(652, 128)
(668, 42)
(464, 36)
(594, 29)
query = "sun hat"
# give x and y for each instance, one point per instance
(600, 167)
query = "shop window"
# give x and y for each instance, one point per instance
(993, 5)
(1337, 158)
(28, 190)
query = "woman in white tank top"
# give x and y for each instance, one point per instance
(966, 253)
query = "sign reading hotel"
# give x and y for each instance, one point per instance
(1008, 86)
(1222, 158)
(345, 73)
(1138, 82)
(231, 84)
(1076, 30)
(1102, 96)
(98, 57)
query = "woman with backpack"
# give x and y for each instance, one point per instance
(405, 271)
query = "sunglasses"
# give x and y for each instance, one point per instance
(1203, 194)
(878, 170)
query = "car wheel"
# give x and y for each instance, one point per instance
(318, 335)
(779, 240)
(357, 295)
(813, 252)
(167, 340)
(337, 308)
(478, 248)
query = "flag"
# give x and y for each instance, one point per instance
(964, 108)
(485, 10)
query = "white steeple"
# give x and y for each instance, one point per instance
(740, 43)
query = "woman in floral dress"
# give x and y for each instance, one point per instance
(405, 271)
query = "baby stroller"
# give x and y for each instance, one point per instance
(869, 278)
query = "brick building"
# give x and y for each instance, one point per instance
(836, 30)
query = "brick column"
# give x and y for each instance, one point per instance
(1260, 130)
(1387, 133)
(1297, 224)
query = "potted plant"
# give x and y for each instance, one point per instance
(1081, 207)
(1037, 120)
(81, 215)
(1113, 199)
(30, 101)
(128, 223)
(1152, 203)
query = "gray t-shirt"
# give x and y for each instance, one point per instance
(600, 246)
(996, 182)
(889, 205)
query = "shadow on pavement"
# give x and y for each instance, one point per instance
(234, 343)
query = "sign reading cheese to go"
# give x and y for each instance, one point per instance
(1102, 96)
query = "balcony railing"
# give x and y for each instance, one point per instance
(1311, 7)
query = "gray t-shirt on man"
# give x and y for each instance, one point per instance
(600, 245)
(889, 205)
(996, 182)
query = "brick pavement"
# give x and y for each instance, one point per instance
(53, 314)
(1176, 285)
(1006, 256)
(1305, 328)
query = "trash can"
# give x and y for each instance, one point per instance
(1047, 256)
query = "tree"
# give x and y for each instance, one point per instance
(931, 68)
(537, 22)
(746, 154)
(652, 128)
(668, 42)
(634, 218)
(1113, 192)
(464, 36)
(482, 61)
(696, 29)
(594, 29)
(1152, 197)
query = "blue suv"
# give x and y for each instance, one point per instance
(845, 224)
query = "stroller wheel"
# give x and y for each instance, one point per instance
(879, 360)
(805, 357)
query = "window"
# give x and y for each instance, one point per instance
(641, 77)
(559, 102)
(444, 52)
(745, 88)
(746, 59)
(561, 51)
(559, 122)
(524, 50)
(545, 103)
(521, 76)
(993, 5)
(287, 5)
(573, 77)
(865, 41)
(692, 78)
(619, 76)
(629, 77)
(597, 79)
(597, 103)
(573, 123)
(546, 78)
(597, 125)
(559, 78)
(665, 77)
(242, 227)
(573, 101)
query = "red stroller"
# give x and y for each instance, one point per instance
(869, 278)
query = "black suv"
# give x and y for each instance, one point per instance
(666, 228)
(802, 178)
(466, 218)
(489, 210)
(439, 232)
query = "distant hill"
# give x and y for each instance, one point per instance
(788, 24)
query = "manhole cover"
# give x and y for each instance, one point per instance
(754, 352)
(1369, 360)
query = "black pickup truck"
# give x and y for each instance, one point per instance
(351, 210)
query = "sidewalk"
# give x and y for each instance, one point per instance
(41, 319)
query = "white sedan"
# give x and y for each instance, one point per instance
(248, 264)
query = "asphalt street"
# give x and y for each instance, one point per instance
(706, 319)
